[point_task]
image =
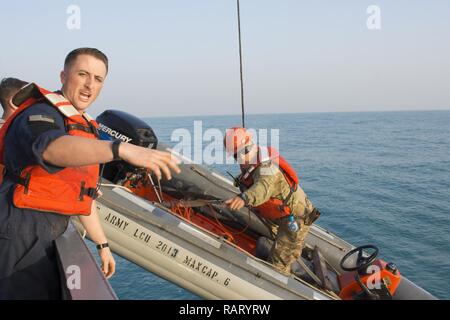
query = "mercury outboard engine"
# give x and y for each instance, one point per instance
(113, 125)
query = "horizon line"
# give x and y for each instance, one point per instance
(287, 113)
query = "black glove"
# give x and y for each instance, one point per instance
(312, 217)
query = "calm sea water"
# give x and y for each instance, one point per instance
(380, 177)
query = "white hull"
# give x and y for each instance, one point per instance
(192, 258)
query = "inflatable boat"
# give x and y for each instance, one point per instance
(181, 231)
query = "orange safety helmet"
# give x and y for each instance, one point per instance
(236, 139)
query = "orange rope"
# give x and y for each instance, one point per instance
(217, 219)
(186, 212)
(179, 208)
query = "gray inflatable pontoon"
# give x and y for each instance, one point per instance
(183, 251)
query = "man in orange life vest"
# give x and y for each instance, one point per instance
(8, 88)
(270, 185)
(50, 149)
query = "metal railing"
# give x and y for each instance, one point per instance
(81, 276)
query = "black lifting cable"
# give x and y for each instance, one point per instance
(240, 60)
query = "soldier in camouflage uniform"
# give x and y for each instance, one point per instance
(270, 183)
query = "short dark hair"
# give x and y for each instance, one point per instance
(72, 56)
(8, 88)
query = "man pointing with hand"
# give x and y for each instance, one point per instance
(52, 155)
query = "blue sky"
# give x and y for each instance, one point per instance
(176, 57)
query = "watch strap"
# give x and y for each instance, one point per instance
(115, 150)
(102, 245)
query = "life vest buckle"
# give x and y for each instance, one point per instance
(27, 181)
(90, 192)
(88, 129)
(24, 181)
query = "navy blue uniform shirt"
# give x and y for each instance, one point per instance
(28, 264)
(27, 140)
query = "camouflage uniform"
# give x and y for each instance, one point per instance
(269, 182)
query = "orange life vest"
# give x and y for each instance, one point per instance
(69, 191)
(273, 208)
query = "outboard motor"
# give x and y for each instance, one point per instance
(113, 125)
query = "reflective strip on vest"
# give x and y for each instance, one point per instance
(55, 98)
(68, 111)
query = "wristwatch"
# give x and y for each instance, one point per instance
(115, 149)
(102, 245)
